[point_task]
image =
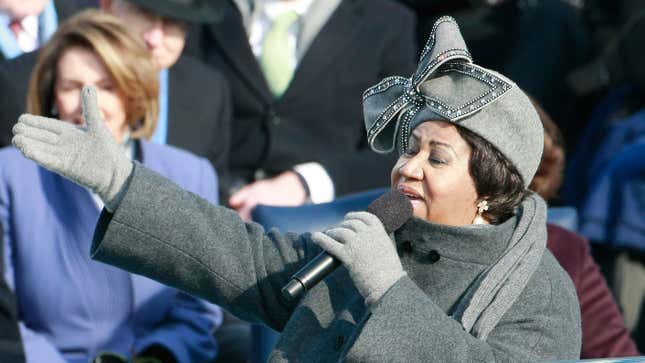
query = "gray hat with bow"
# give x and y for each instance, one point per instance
(447, 86)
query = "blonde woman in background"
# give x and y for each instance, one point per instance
(73, 309)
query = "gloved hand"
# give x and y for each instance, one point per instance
(88, 156)
(364, 247)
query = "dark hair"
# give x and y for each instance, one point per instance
(496, 178)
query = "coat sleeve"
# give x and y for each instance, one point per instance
(37, 347)
(603, 329)
(188, 328)
(179, 239)
(604, 333)
(543, 324)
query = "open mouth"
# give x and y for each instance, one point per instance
(412, 194)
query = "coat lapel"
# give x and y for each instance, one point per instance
(234, 46)
(334, 36)
(180, 99)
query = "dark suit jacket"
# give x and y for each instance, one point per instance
(319, 117)
(66, 8)
(10, 343)
(199, 106)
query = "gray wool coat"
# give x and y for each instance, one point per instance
(170, 235)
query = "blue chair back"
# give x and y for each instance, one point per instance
(313, 217)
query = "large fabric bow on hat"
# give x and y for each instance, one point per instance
(457, 89)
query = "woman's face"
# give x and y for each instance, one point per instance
(434, 174)
(80, 67)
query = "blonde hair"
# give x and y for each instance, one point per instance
(124, 55)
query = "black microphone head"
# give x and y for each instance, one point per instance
(393, 209)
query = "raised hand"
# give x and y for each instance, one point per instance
(88, 156)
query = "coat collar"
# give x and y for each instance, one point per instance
(480, 244)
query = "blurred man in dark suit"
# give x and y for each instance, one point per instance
(297, 70)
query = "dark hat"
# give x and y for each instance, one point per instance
(447, 86)
(194, 11)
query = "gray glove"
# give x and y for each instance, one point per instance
(368, 253)
(88, 156)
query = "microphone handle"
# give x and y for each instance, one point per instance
(309, 275)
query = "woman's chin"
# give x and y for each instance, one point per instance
(419, 208)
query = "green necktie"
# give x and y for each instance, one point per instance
(278, 54)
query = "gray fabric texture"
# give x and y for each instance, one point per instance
(500, 285)
(447, 86)
(208, 251)
(89, 157)
(361, 243)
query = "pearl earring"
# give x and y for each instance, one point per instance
(481, 208)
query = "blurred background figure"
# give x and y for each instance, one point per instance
(195, 112)
(10, 342)
(297, 70)
(71, 308)
(537, 43)
(195, 104)
(603, 328)
(27, 24)
(606, 175)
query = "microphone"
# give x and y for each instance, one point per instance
(393, 209)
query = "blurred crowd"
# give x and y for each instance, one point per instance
(249, 102)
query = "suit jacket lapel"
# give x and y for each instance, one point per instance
(234, 45)
(179, 102)
(333, 37)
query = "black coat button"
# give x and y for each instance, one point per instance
(406, 247)
(339, 342)
(433, 256)
(272, 117)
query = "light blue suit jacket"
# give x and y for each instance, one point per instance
(71, 307)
